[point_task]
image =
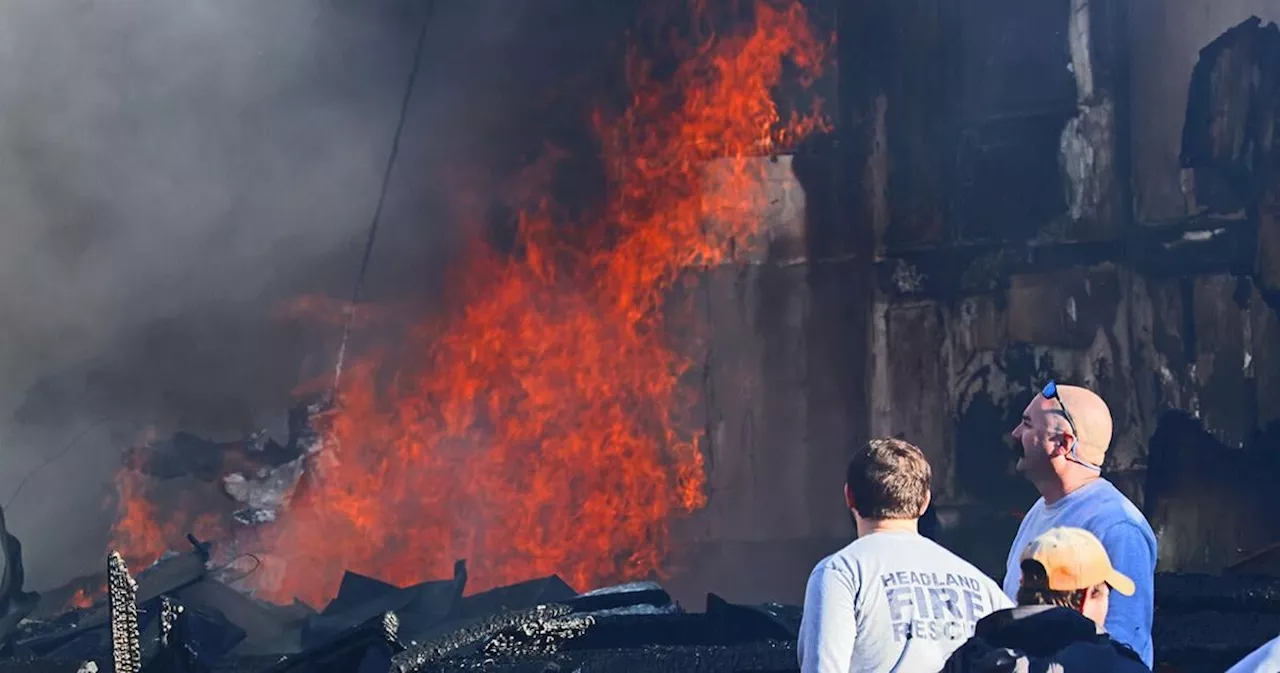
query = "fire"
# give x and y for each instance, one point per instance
(81, 600)
(539, 425)
(141, 531)
(135, 529)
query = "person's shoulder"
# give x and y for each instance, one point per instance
(960, 565)
(1107, 490)
(1123, 511)
(1126, 653)
(842, 568)
(881, 549)
(978, 654)
(1033, 518)
(828, 562)
(844, 559)
(1105, 653)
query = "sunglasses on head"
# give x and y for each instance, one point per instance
(1050, 392)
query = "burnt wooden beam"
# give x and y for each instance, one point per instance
(1198, 246)
(123, 592)
(423, 656)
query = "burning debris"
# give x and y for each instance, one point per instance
(256, 472)
(195, 611)
(176, 617)
(537, 424)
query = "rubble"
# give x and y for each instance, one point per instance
(184, 615)
(126, 648)
(176, 617)
(256, 472)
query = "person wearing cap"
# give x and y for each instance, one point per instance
(1061, 444)
(1067, 582)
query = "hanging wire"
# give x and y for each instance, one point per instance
(357, 291)
(52, 459)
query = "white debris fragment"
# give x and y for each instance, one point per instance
(629, 587)
(266, 491)
(640, 609)
(1203, 235)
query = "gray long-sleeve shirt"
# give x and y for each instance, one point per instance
(891, 602)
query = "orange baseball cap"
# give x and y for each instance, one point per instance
(1074, 559)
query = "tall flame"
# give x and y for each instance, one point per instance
(537, 427)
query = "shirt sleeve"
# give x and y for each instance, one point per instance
(1012, 563)
(828, 626)
(1012, 573)
(1129, 617)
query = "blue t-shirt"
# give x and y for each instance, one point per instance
(1100, 508)
(891, 602)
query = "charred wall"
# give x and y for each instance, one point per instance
(1034, 265)
(1015, 192)
(781, 363)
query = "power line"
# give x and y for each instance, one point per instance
(358, 290)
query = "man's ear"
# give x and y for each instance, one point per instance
(1062, 443)
(848, 497)
(928, 500)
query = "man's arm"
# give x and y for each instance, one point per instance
(1129, 617)
(1012, 562)
(828, 626)
(1012, 571)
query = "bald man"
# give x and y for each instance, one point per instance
(1062, 442)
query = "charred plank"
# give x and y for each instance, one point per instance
(354, 651)
(419, 657)
(1199, 245)
(122, 591)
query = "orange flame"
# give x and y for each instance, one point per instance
(538, 429)
(137, 532)
(81, 599)
(142, 531)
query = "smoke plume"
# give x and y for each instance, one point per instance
(171, 173)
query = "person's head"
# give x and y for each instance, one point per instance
(887, 480)
(1069, 567)
(1065, 432)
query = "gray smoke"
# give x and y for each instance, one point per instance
(171, 173)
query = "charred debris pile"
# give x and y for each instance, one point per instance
(177, 617)
(184, 614)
